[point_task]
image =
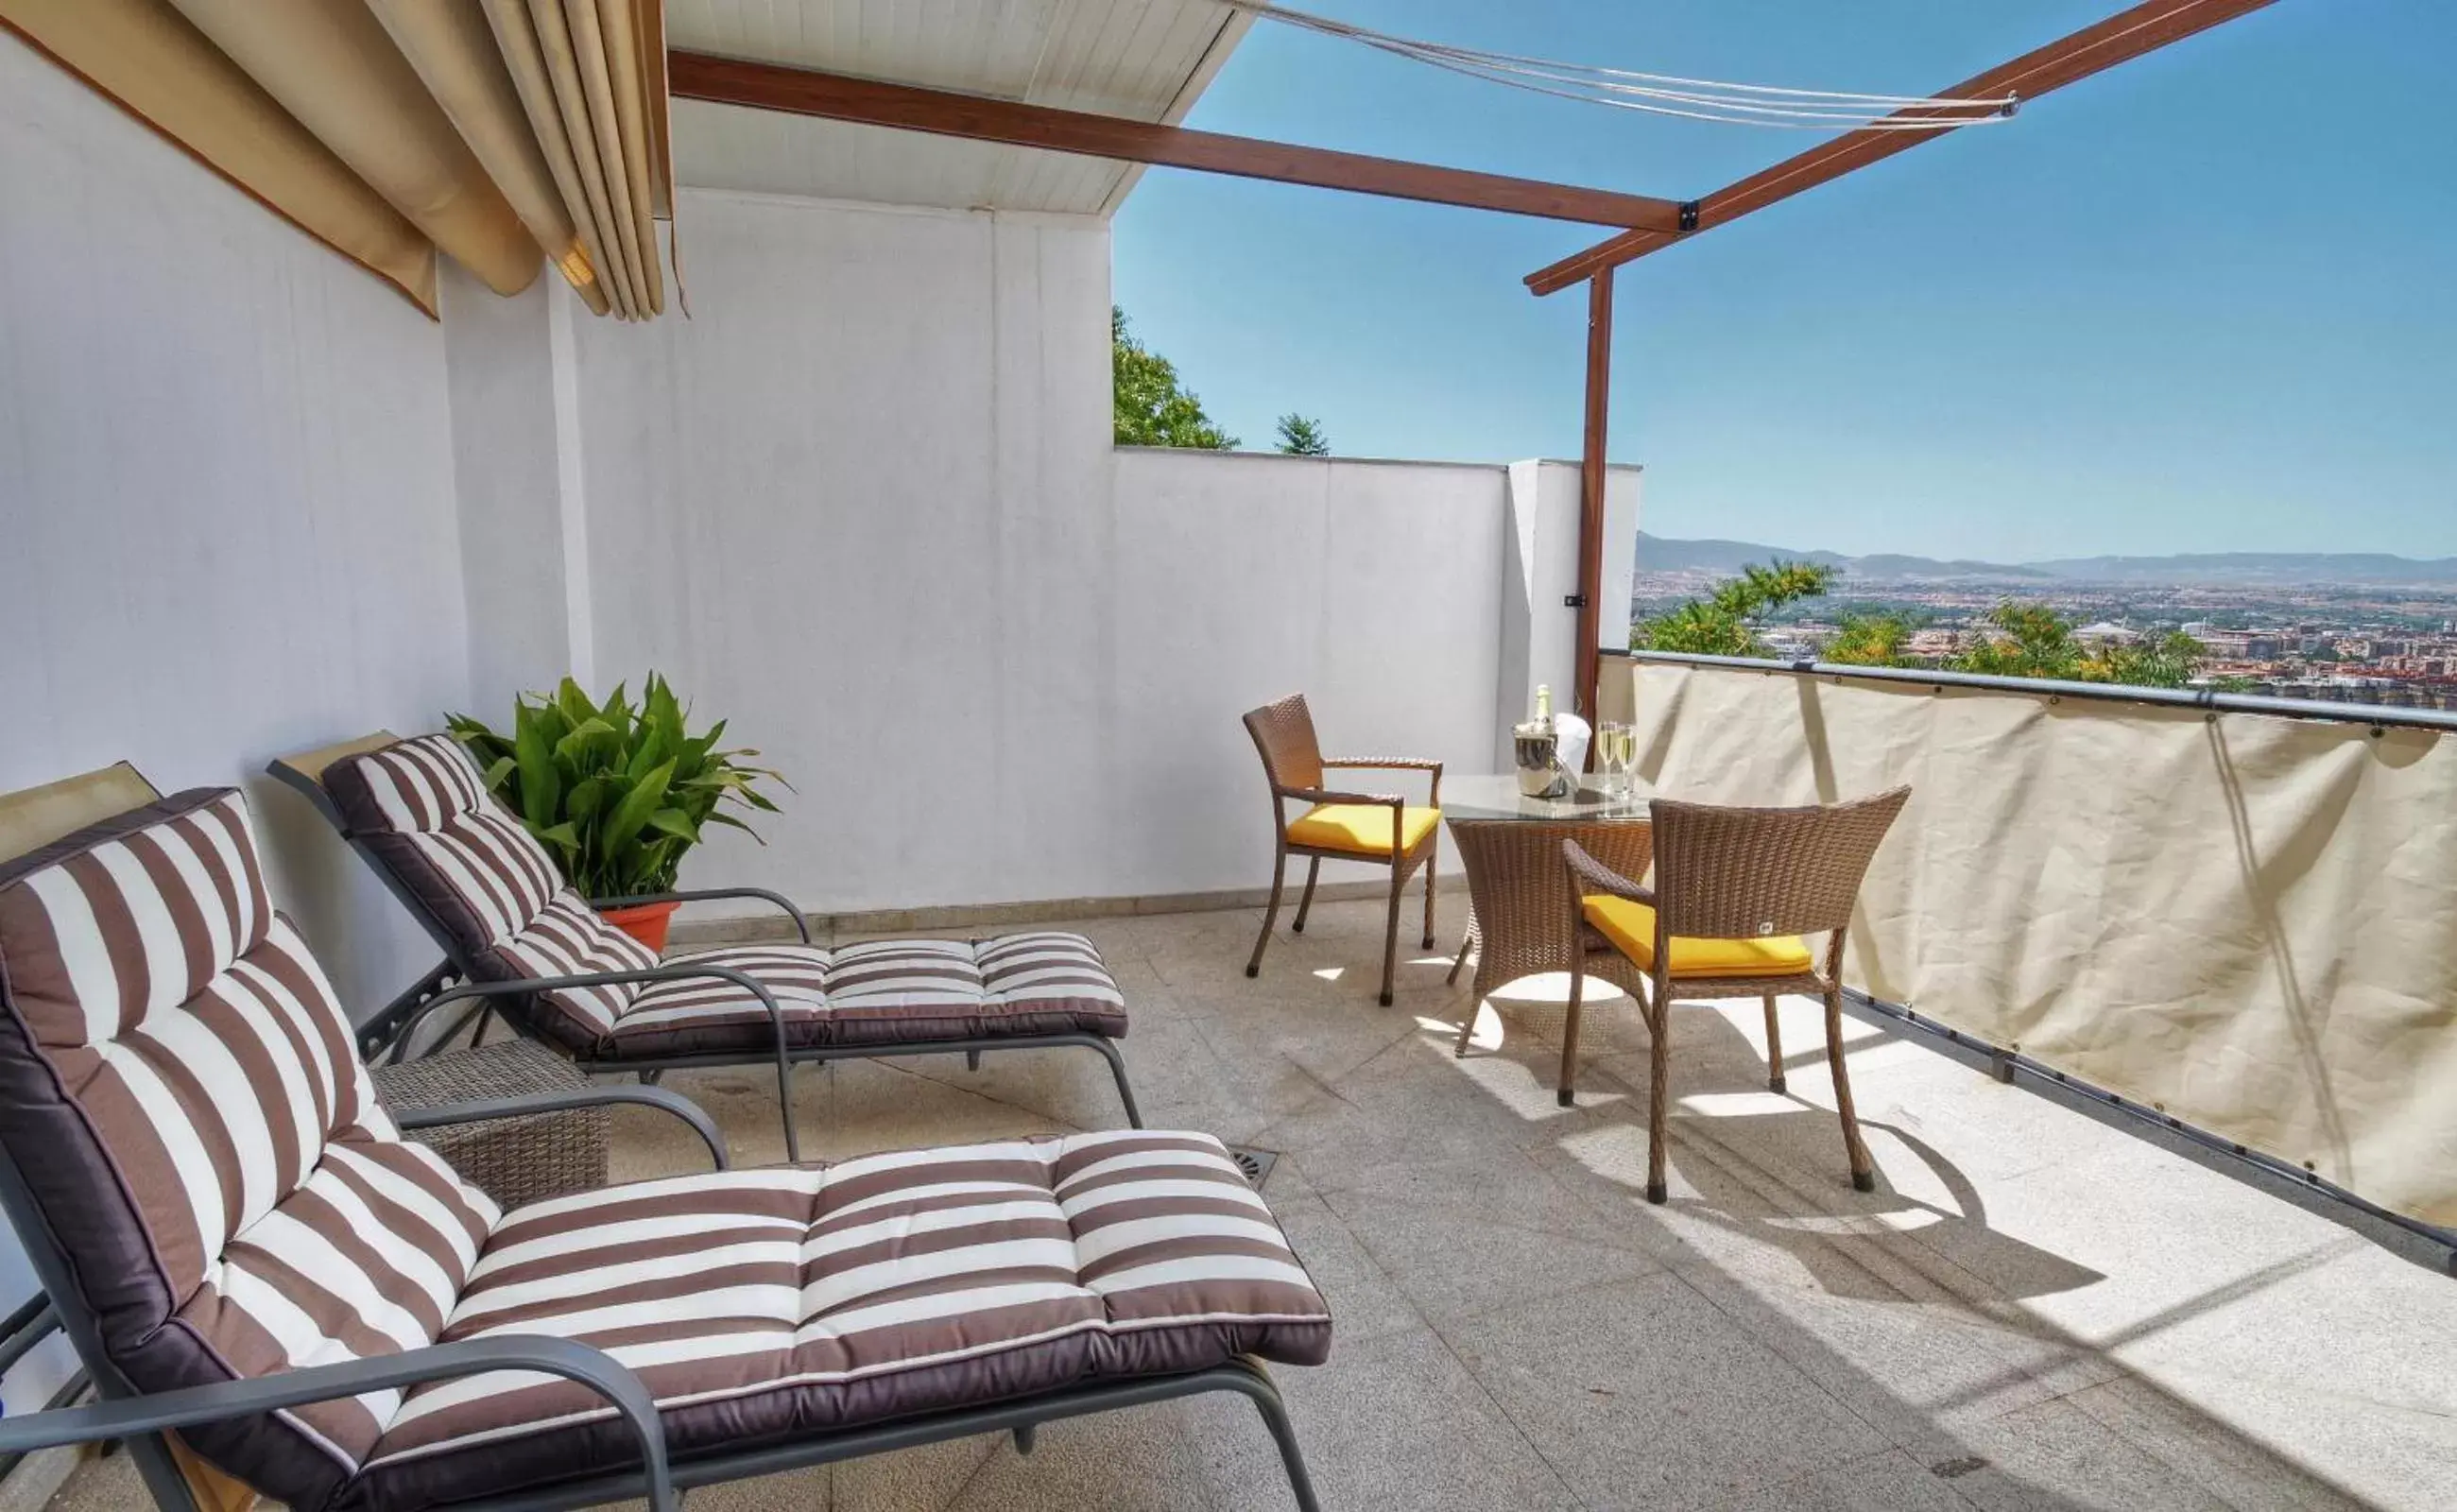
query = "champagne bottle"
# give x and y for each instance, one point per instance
(1544, 705)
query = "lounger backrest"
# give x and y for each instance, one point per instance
(181, 1095)
(493, 895)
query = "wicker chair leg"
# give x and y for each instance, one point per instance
(1467, 942)
(1774, 1048)
(1659, 1089)
(1863, 1170)
(1271, 913)
(1305, 902)
(1433, 856)
(1567, 1093)
(1391, 934)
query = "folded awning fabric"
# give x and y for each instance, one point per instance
(499, 132)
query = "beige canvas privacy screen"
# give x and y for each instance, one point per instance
(499, 132)
(2247, 921)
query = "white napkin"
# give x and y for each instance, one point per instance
(1570, 734)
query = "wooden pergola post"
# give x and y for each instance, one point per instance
(1591, 494)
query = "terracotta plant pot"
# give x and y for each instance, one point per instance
(645, 923)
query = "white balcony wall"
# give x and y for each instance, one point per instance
(226, 506)
(863, 501)
(858, 502)
(1376, 589)
(226, 494)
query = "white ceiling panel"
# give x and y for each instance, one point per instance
(1141, 59)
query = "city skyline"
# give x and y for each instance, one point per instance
(2087, 330)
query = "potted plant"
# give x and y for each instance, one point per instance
(618, 793)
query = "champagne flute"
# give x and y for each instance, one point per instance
(1618, 756)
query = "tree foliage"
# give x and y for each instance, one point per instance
(2020, 640)
(1722, 624)
(1872, 640)
(1303, 437)
(1149, 407)
(2031, 640)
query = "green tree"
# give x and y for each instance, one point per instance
(1301, 437)
(2030, 640)
(1149, 407)
(1722, 622)
(2167, 662)
(2033, 640)
(1872, 640)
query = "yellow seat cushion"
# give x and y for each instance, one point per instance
(1363, 828)
(1630, 926)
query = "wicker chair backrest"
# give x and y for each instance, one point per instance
(1283, 732)
(1742, 873)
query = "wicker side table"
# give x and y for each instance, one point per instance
(516, 1161)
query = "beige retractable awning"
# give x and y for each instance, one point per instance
(499, 132)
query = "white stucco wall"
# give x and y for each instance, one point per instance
(226, 501)
(859, 504)
(1374, 589)
(864, 503)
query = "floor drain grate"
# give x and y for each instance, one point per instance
(1256, 1164)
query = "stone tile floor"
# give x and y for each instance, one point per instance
(2035, 1309)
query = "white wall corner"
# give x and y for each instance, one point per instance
(1621, 490)
(572, 492)
(1539, 572)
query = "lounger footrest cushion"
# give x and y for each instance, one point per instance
(883, 992)
(800, 1299)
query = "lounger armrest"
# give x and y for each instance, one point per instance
(124, 1417)
(674, 1103)
(693, 895)
(665, 971)
(1588, 875)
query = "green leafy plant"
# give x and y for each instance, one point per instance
(617, 792)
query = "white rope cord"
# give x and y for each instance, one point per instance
(1658, 93)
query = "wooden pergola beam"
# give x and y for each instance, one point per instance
(905, 107)
(2145, 28)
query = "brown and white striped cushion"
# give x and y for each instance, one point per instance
(428, 794)
(185, 1098)
(568, 939)
(421, 808)
(797, 1298)
(882, 992)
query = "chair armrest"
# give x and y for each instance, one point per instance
(693, 895)
(1588, 875)
(1396, 764)
(479, 1111)
(1325, 795)
(154, 1412)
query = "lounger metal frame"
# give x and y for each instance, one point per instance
(400, 1019)
(142, 1419)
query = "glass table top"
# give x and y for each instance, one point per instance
(1487, 799)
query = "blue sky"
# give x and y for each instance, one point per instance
(2204, 301)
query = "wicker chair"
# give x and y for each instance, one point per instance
(1383, 829)
(1735, 889)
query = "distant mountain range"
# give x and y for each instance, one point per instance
(1658, 554)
